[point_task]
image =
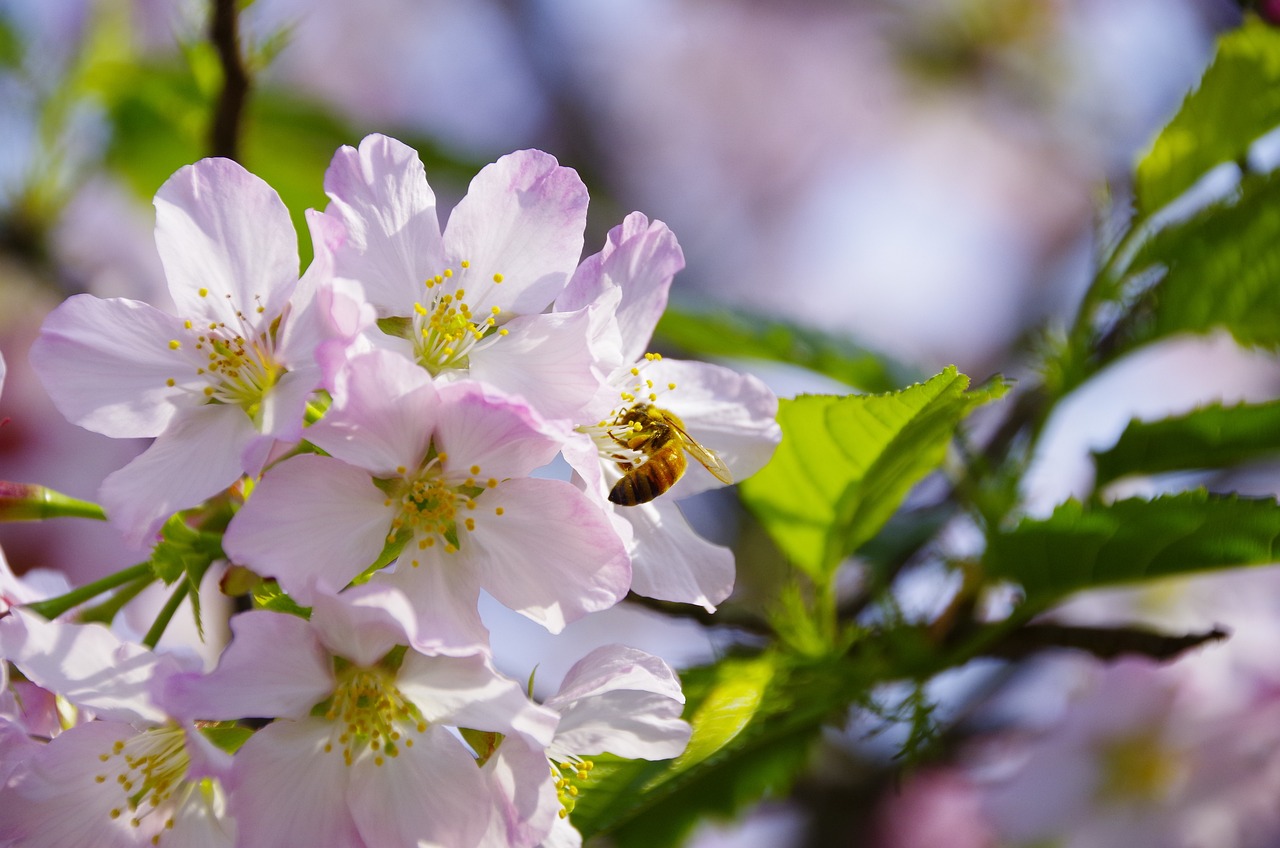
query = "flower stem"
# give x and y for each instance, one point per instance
(54, 607)
(166, 615)
(29, 502)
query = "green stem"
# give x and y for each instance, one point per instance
(54, 607)
(29, 502)
(106, 611)
(166, 615)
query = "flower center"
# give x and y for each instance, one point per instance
(622, 436)
(438, 506)
(239, 367)
(566, 775)
(448, 326)
(372, 714)
(149, 769)
(1138, 768)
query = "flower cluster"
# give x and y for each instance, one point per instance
(373, 443)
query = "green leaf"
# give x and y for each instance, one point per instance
(846, 463)
(1212, 437)
(737, 334)
(754, 720)
(1237, 101)
(1222, 269)
(1081, 547)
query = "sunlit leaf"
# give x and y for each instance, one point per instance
(1221, 269)
(1237, 101)
(736, 334)
(754, 720)
(1212, 437)
(846, 463)
(1080, 547)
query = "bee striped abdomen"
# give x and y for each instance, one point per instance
(651, 478)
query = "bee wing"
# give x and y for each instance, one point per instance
(706, 456)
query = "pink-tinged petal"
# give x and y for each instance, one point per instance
(444, 594)
(525, 802)
(552, 555)
(305, 322)
(562, 835)
(431, 793)
(523, 218)
(17, 748)
(617, 667)
(227, 244)
(546, 359)
(364, 622)
(311, 518)
(381, 197)
(283, 411)
(2, 372)
(670, 562)
(274, 666)
(288, 791)
(641, 258)
(106, 365)
(476, 426)
(87, 665)
(382, 414)
(468, 692)
(623, 701)
(55, 801)
(198, 456)
(730, 413)
(203, 821)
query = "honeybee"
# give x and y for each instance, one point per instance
(661, 437)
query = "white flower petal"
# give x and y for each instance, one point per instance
(444, 595)
(468, 692)
(288, 791)
(87, 664)
(228, 247)
(545, 359)
(364, 622)
(670, 562)
(311, 518)
(431, 793)
(476, 427)
(640, 258)
(523, 217)
(526, 806)
(274, 666)
(552, 555)
(382, 415)
(390, 238)
(106, 363)
(198, 456)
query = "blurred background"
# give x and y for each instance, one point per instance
(922, 178)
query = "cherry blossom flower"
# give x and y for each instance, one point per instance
(444, 472)
(616, 699)
(363, 750)
(468, 301)
(731, 414)
(218, 384)
(135, 775)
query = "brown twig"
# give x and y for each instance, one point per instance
(224, 32)
(1106, 643)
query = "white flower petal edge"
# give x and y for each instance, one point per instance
(227, 244)
(334, 518)
(199, 455)
(621, 700)
(88, 665)
(273, 666)
(522, 218)
(388, 234)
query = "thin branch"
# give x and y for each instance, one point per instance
(224, 32)
(1106, 643)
